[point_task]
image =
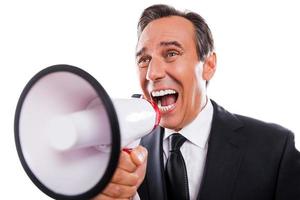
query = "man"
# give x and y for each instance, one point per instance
(226, 156)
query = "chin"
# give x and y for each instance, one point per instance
(170, 124)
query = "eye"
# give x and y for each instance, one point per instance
(172, 54)
(143, 61)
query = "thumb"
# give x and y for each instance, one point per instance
(139, 155)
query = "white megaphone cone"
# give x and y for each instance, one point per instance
(69, 133)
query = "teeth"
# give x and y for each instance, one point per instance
(163, 92)
(160, 93)
(165, 108)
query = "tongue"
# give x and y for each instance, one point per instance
(168, 100)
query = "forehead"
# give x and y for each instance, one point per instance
(174, 28)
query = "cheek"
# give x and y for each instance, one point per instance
(142, 78)
(190, 80)
(192, 89)
(193, 92)
(143, 83)
(186, 72)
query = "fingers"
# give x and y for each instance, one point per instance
(126, 163)
(125, 178)
(139, 155)
(128, 176)
(105, 197)
(141, 172)
(119, 191)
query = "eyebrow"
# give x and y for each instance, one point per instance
(163, 43)
(140, 52)
(171, 43)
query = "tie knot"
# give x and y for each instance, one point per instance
(176, 140)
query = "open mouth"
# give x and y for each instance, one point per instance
(165, 99)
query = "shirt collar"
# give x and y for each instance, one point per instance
(198, 130)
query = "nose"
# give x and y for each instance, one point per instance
(156, 70)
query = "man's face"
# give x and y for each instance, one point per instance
(170, 72)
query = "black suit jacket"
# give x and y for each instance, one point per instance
(247, 159)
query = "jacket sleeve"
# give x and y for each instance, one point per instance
(288, 180)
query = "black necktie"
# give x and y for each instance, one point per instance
(176, 175)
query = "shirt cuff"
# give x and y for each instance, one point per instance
(136, 197)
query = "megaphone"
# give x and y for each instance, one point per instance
(69, 132)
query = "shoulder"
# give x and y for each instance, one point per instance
(255, 131)
(259, 125)
(261, 128)
(265, 143)
(265, 139)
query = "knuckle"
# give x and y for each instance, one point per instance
(143, 150)
(116, 191)
(125, 178)
(128, 165)
(135, 179)
(123, 157)
(113, 190)
(117, 176)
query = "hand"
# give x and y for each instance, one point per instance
(128, 176)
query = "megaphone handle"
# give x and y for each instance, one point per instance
(127, 150)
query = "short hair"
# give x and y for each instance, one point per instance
(203, 38)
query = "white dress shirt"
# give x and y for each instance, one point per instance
(194, 150)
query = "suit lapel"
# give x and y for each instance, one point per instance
(223, 157)
(153, 186)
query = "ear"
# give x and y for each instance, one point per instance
(209, 66)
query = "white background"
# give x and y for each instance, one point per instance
(257, 43)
